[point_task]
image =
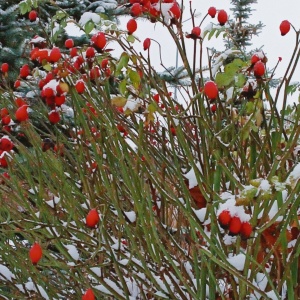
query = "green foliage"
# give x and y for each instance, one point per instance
(158, 170)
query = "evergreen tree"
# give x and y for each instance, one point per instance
(240, 30)
(16, 29)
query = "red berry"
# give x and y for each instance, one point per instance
(94, 73)
(6, 144)
(222, 17)
(90, 52)
(254, 59)
(224, 218)
(196, 31)
(69, 43)
(92, 218)
(32, 15)
(212, 11)
(24, 71)
(99, 40)
(89, 295)
(53, 117)
(4, 112)
(259, 69)
(156, 98)
(284, 27)
(22, 113)
(3, 161)
(17, 84)
(55, 55)
(4, 67)
(131, 26)
(73, 52)
(136, 10)
(246, 230)
(20, 102)
(59, 100)
(211, 90)
(176, 11)
(5, 120)
(213, 108)
(173, 130)
(80, 86)
(48, 92)
(104, 63)
(146, 44)
(235, 225)
(35, 253)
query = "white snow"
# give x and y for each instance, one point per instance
(191, 176)
(294, 176)
(53, 202)
(131, 215)
(89, 16)
(96, 270)
(164, 8)
(234, 210)
(30, 286)
(73, 251)
(6, 273)
(237, 261)
(52, 84)
(132, 104)
(265, 185)
(200, 213)
(37, 39)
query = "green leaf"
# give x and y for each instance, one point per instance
(211, 33)
(47, 67)
(291, 89)
(89, 26)
(122, 87)
(240, 80)
(250, 108)
(130, 38)
(123, 62)
(152, 107)
(60, 15)
(24, 8)
(135, 78)
(224, 79)
(118, 101)
(234, 66)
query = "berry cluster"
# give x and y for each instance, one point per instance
(234, 224)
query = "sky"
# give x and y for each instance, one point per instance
(269, 12)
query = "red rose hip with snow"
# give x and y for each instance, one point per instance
(222, 17)
(196, 31)
(212, 11)
(211, 90)
(88, 295)
(146, 44)
(131, 26)
(259, 69)
(92, 218)
(4, 67)
(35, 253)
(224, 218)
(22, 113)
(284, 27)
(235, 225)
(69, 43)
(99, 40)
(53, 117)
(80, 86)
(246, 230)
(32, 15)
